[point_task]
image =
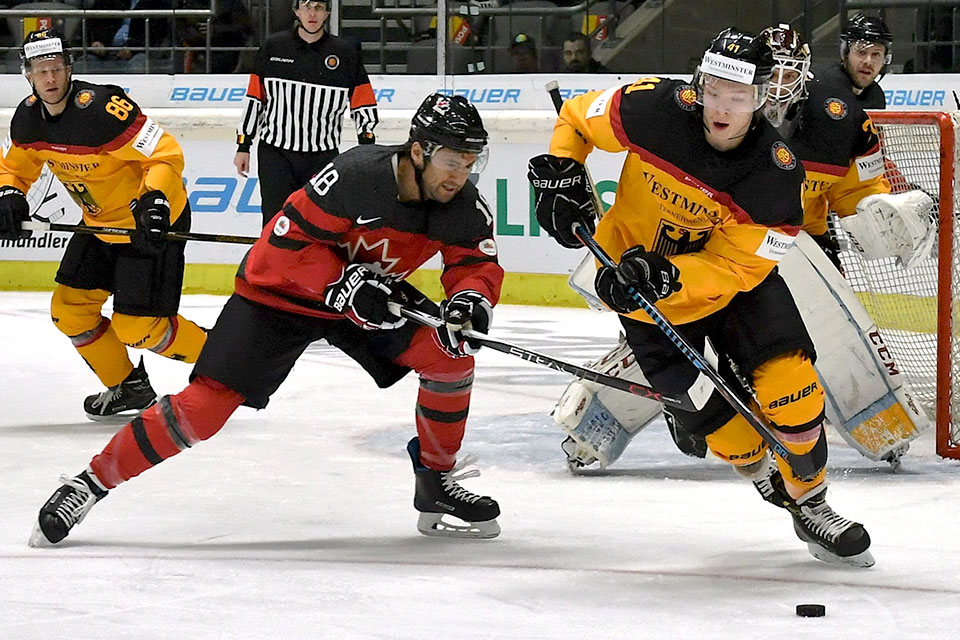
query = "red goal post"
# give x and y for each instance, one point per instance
(916, 308)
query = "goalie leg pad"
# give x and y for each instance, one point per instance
(599, 420)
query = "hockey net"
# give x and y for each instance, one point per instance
(916, 308)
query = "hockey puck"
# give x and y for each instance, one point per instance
(811, 610)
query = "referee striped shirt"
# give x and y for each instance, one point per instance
(299, 92)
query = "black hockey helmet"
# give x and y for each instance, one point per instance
(737, 56)
(868, 30)
(44, 44)
(449, 121)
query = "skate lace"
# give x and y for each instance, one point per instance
(108, 396)
(824, 521)
(74, 506)
(450, 479)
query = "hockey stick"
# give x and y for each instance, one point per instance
(552, 363)
(116, 231)
(802, 465)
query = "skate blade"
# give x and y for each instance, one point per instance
(432, 524)
(37, 539)
(862, 560)
(119, 418)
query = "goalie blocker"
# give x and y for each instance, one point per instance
(868, 401)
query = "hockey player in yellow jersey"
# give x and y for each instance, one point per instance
(709, 200)
(122, 170)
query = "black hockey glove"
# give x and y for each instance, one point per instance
(563, 197)
(152, 216)
(14, 210)
(366, 137)
(828, 243)
(464, 310)
(361, 296)
(648, 272)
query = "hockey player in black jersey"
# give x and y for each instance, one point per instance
(123, 170)
(329, 266)
(865, 52)
(709, 201)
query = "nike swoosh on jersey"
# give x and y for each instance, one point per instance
(361, 220)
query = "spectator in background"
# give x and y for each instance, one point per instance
(577, 57)
(128, 37)
(231, 27)
(523, 55)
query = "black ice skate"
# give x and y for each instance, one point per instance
(829, 537)
(66, 507)
(768, 482)
(124, 400)
(438, 494)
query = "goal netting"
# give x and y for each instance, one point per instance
(916, 308)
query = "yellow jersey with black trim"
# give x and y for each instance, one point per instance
(725, 219)
(103, 149)
(840, 151)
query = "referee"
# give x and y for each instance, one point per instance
(303, 81)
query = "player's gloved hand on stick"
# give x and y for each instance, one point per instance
(829, 245)
(14, 210)
(563, 197)
(367, 137)
(648, 272)
(464, 310)
(362, 296)
(152, 216)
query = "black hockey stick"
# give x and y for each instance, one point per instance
(550, 362)
(116, 231)
(803, 465)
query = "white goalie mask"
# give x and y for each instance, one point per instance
(788, 84)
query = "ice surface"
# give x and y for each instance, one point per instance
(297, 521)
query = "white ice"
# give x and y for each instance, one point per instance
(297, 521)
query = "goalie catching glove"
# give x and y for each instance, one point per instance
(361, 295)
(645, 271)
(464, 310)
(893, 225)
(563, 197)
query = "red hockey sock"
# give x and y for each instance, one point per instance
(175, 423)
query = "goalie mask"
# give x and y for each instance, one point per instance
(788, 83)
(737, 57)
(451, 122)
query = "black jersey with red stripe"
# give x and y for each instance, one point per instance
(350, 212)
(104, 150)
(840, 150)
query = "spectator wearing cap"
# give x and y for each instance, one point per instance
(523, 55)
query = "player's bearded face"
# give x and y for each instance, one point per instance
(446, 173)
(50, 79)
(864, 62)
(727, 111)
